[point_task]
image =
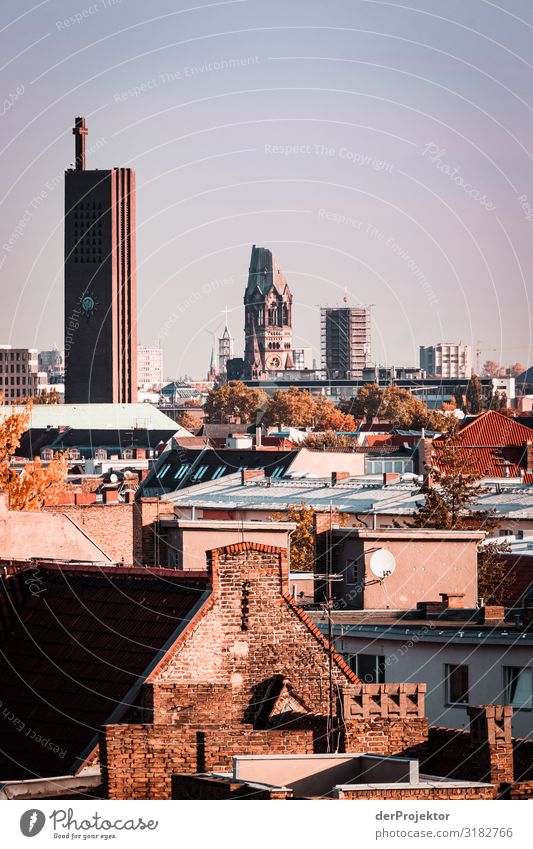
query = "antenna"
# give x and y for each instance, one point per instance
(382, 563)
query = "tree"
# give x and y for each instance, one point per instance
(234, 401)
(47, 396)
(456, 483)
(495, 580)
(367, 403)
(328, 416)
(294, 407)
(516, 369)
(328, 439)
(184, 419)
(302, 541)
(474, 395)
(28, 489)
(493, 369)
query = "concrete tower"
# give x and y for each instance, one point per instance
(268, 317)
(100, 282)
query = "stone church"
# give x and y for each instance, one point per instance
(268, 318)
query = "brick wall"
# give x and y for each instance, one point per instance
(109, 525)
(248, 644)
(483, 753)
(146, 537)
(385, 719)
(451, 793)
(139, 760)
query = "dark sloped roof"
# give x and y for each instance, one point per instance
(88, 439)
(74, 652)
(183, 467)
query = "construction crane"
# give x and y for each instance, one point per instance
(479, 350)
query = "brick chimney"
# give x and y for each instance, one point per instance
(337, 477)
(490, 732)
(251, 474)
(491, 614)
(452, 601)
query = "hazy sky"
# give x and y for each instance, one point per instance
(385, 147)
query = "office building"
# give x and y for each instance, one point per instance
(19, 374)
(149, 368)
(447, 359)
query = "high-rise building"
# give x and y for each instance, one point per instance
(225, 350)
(268, 317)
(447, 359)
(100, 282)
(345, 334)
(149, 368)
(20, 377)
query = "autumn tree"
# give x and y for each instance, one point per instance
(455, 487)
(516, 369)
(186, 420)
(47, 396)
(491, 368)
(366, 404)
(328, 416)
(328, 439)
(234, 401)
(302, 540)
(294, 407)
(28, 489)
(495, 580)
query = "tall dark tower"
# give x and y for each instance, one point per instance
(100, 282)
(268, 317)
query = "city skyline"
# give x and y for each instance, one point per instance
(320, 140)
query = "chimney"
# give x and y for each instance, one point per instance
(390, 477)
(529, 456)
(452, 601)
(110, 496)
(250, 474)
(337, 477)
(424, 458)
(491, 614)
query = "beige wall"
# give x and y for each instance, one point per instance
(187, 546)
(424, 569)
(323, 463)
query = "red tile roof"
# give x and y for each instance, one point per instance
(493, 445)
(494, 430)
(76, 648)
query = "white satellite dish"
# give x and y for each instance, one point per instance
(113, 477)
(382, 563)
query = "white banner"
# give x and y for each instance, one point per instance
(259, 824)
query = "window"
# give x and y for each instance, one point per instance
(350, 572)
(456, 684)
(517, 683)
(369, 668)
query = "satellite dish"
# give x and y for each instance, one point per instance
(113, 478)
(382, 563)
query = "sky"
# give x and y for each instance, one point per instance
(378, 148)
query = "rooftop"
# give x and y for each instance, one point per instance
(97, 416)
(74, 654)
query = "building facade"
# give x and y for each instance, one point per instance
(447, 359)
(19, 374)
(345, 334)
(53, 364)
(268, 317)
(100, 282)
(149, 368)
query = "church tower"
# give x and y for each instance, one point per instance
(268, 318)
